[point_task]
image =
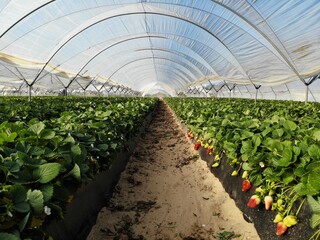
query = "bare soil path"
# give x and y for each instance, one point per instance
(167, 192)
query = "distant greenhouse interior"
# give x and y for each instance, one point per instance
(266, 49)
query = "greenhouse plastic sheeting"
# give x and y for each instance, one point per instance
(162, 46)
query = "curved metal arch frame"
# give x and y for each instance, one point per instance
(220, 4)
(175, 84)
(265, 36)
(211, 13)
(180, 54)
(203, 44)
(180, 77)
(101, 51)
(25, 16)
(183, 75)
(178, 80)
(136, 60)
(159, 91)
(187, 78)
(155, 36)
(193, 68)
(146, 89)
(179, 73)
(139, 13)
(174, 52)
(193, 40)
(255, 28)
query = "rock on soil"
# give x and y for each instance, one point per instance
(167, 192)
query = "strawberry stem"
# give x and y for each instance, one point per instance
(301, 207)
(315, 236)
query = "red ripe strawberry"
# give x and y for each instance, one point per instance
(268, 200)
(254, 201)
(197, 145)
(281, 228)
(246, 185)
(209, 150)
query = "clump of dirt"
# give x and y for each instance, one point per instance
(167, 192)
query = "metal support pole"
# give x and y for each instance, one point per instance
(307, 94)
(29, 89)
(257, 89)
(255, 99)
(66, 91)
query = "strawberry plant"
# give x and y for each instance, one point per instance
(274, 143)
(49, 147)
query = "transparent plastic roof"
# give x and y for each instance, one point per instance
(164, 46)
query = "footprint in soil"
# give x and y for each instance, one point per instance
(186, 161)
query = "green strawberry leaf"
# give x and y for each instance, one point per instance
(22, 207)
(76, 150)
(24, 222)
(47, 134)
(75, 172)
(290, 125)
(47, 172)
(315, 220)
(287, 178)
(314, 179)
(303, 189)
(246, 166)
(19, 193)
(35, 199)
(314, 151)
(316, 135)
(37, 128)
(277, 133)
(313, 204)
(103, 147)
(47, 191)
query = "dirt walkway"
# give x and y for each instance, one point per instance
(167, 193)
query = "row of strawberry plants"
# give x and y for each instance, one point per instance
(51, 146)
(274, 144)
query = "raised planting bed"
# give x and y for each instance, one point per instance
(81, 213)
(260, 217)
(59, 158)
(267, 156)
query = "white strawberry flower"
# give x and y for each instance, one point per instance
(47, 210)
